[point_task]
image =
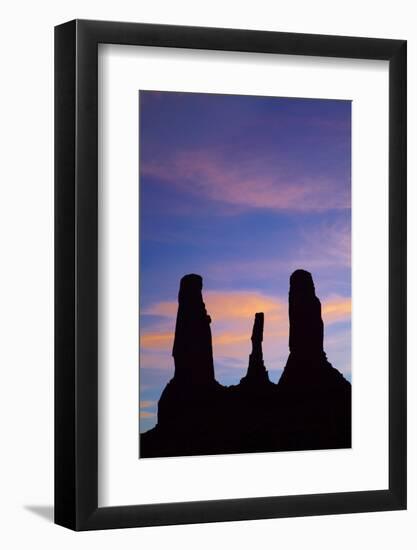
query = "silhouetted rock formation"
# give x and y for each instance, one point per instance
(188, 402)
(306, 325)
(257, 373)
(315, 394)
(309, 408)
(192, 351)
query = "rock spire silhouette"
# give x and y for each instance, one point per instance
(192, 350)
(306, 324)
(256, 373)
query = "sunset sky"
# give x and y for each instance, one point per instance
(242, 190)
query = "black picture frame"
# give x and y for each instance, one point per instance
(76, 272)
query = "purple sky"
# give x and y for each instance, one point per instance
(242, 190)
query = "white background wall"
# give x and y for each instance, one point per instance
(26, 272)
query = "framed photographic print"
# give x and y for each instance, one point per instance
(230, 275)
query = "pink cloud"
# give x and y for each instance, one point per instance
(156, 340)
(336, 309)
(243, 184)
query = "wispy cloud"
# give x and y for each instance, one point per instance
(146, 404)
(157, 359)
(156, 340)
(328, 244)
(244, 183)
(324, 248)
(337, 309)
(147, 414)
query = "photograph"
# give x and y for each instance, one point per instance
(244, 274)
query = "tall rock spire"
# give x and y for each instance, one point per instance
(192, 351)
(256, 369)
(307, 360)
(306, 325)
